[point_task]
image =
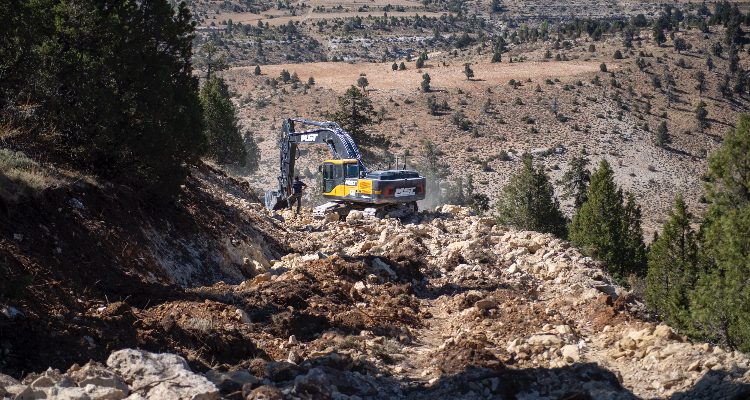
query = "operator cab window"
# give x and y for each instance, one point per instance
(327, 171)
(352, 171)
(338, 171)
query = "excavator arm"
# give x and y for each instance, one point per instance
(340, 143)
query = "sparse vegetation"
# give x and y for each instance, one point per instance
(608, 226)
(136, 93)
(425, 85)
(225, 142)
(528, 201)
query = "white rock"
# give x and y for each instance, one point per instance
(383, 266)
(664, 332)
(450, 209)
(242, 316)
(165, 375)
(571, 353)
(547, 340)
(563, 329)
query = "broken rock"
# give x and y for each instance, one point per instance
(161, 375)
(571, 353)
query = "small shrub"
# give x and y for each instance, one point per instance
(21, 176)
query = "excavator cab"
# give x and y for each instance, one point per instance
(340, 178)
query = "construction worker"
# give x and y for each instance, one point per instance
(297, 187)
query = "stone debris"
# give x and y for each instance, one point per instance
(446, 306)
(161, 375)
(538, 303)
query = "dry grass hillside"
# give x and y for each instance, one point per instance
(613, 115)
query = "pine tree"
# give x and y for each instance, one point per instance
(496, 6)
(497, 57)
(420, 62)
(627, 36)
(479, 202)
(576, 180)
(722, 297)
(354, 114)
(606, 228)
(252, 160)
(211, 59)
(394, 66)
(22, 24)
(662, 135)
(116, 81)
(673, 267)
(700, 79)
(257, 70)
(658, 32)
(225, 142)
(435, 171)
(284, 76)
(468, 71)
(363, 83)
(680, 45)
(432, 105)
(528, 202)
(701, 115)
(633, 246)
(425, 85)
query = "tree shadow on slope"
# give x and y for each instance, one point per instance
(715, 385)
(424, 291)
(86, 247)
(580, 381)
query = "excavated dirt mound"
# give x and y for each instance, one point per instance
(443, 305)
(78, 264)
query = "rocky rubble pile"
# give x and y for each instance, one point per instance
(446, 305)
(527, 300)
(132, 374)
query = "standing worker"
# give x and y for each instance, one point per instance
(297, 187)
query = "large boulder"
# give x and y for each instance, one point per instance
(163, 376)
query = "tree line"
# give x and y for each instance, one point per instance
(696, 279)
(108, 87)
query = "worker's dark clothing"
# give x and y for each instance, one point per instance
(297, 187)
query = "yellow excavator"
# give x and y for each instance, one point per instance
(346, 183)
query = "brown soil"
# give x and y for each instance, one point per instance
(82, 265)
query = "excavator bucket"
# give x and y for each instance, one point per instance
(275, 200)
